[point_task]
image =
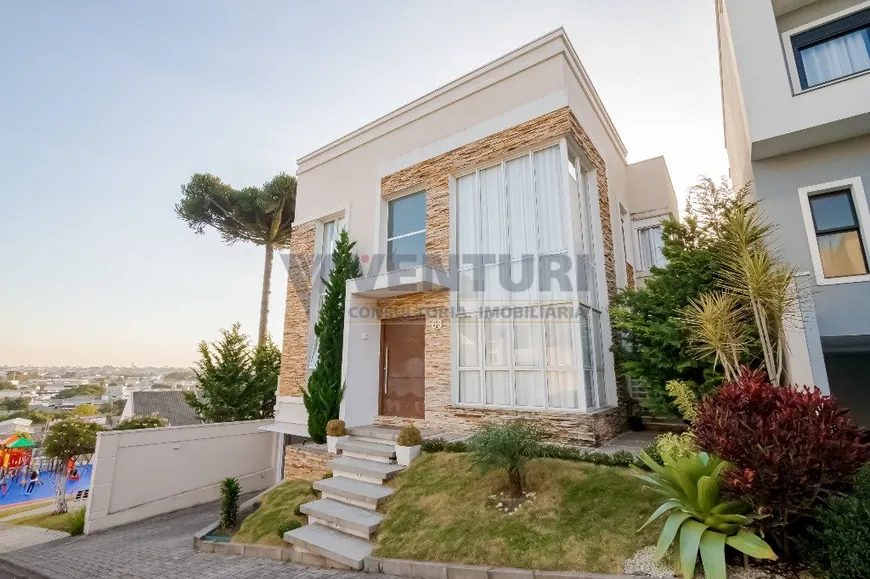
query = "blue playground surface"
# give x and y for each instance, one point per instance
(15, 491)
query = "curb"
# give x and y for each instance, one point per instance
(430, 570)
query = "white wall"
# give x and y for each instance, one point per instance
(779, 120)
(142, 473)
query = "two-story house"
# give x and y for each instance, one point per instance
(796, 104)
(495, 218)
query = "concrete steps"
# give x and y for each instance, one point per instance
(353, 520)
(376, 451)
(353, 492)
(364, 470)
(343, 522)
(374, 434)
(331, 543)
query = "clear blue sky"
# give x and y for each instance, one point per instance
(107, 108)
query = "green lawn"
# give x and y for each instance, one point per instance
(584, 518)
(47, 521)
(277, 507)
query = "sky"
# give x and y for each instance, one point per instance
(107, 108)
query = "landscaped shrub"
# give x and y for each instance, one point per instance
(791, 446)
(839, 541)
(409, 436)
(230, 493)
(699, 514)
(677, 445)
(336, 428)
(441, 445)
(287, 526)
(322, 397)
(652, 451)
(509, 446)
(76, 525)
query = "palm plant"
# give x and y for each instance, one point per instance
(508, 446)
(757, 299)
(704, 521)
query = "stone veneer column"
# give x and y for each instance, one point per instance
(294, 355)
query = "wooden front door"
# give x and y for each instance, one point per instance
(403, 367)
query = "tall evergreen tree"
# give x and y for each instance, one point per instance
(262, 215)
(323, 396)
(235, 382)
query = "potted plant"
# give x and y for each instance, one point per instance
(335, 432)
(408, 444)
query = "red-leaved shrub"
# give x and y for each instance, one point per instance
(790, 445)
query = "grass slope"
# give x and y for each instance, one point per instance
(584, 517)
(277, 507)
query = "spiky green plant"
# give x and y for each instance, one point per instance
(697, 513)
(231, 490)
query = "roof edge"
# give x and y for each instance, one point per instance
(572, 58)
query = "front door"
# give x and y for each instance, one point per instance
(403, 367)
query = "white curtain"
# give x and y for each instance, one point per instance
(493, 210)
(469, 387)
(496, 345)
(498, 387)
(522, 207)
(650, 242)
(836, 58)
(468, 343)
(468, 218)
(529, 388)
(551, 207)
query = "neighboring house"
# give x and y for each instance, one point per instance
(13, 425)
(512, 170)
(796, 104)
(168, 404)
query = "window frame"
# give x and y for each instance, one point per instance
(637, 227)
(317, 287)
(819, 31)
(390, 200)
(586, 224)
(855, 187)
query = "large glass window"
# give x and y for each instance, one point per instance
(406, 232)
(519, 327)
(650, 243)
(328, 238)
(834, 50)
(838, 234)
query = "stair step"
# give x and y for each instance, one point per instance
(332, 544)
(367, 468)
(371, 448)
(344, 517)
(375, 433)
(358, 493)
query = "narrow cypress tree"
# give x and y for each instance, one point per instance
(323, 396)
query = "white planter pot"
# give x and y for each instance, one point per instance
(332, 441)
(405, 454)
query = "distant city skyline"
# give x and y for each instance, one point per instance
(108, 108)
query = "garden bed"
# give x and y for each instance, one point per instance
(583, 516)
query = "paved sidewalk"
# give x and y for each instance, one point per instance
(159, 548)
(13, 537)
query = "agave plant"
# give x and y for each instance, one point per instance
(699, 515)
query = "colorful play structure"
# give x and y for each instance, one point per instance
(15, 452)
(16, 464)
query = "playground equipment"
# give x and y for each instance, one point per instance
(15, 452)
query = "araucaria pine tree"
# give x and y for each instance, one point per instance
(324, 393)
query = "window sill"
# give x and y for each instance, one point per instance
(518, 409)
(831, 82)
(841, 280)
